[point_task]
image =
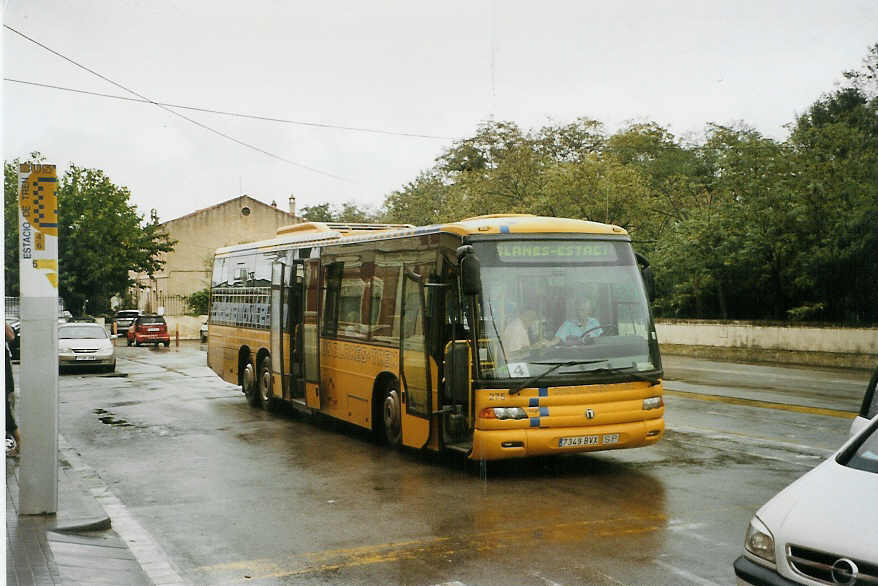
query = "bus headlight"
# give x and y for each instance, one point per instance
(653, 403)
(504, 413)
(760, 541)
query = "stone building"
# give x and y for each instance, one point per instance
(188, 268)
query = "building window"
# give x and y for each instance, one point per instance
(245, 211)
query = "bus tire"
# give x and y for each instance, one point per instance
(391, 415)
(248, 383)
(266, 395)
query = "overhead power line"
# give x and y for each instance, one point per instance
(175, 113)
(234, 114)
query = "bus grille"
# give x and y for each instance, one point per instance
(831, 568)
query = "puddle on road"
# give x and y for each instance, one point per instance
(108, 418)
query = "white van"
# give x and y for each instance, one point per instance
(869, 409)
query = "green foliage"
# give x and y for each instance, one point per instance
(318, 213)
(101, 238)
(199, 302)
(737, 225)
(349, 212)
(805, 312)
(10, 224)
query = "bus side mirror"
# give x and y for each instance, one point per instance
(646, 274)
(470, 270)
(457, 373)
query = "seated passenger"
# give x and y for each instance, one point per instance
(515, 335)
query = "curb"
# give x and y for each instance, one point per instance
(96, 524)
(79, 510)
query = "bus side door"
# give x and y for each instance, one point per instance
(279, 274)
(296, 309)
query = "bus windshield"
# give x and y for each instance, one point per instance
(562, 307)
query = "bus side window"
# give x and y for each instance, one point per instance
(414, 315)
(331, 297)
(385, 289)
(353, 301)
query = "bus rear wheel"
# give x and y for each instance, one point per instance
(248, 383)
(391, 415)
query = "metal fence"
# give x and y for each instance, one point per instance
(13, 306)
(168, 304)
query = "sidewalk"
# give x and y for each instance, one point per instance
(74, 546)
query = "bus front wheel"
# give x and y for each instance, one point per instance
(248, 383)
(392, 415)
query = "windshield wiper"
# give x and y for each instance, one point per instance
(623, 369)
(654, 380)
(556, 366)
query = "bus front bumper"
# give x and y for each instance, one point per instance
(523, 443)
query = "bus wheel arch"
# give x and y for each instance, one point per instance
(247, 376)
(387, 410)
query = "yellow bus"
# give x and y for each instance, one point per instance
(499, 336)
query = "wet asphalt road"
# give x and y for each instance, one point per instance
(231, 494)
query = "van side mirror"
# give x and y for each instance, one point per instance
(470, 270)
(646, 274)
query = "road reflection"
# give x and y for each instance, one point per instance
(401, 510)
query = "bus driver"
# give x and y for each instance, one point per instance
(585, 325)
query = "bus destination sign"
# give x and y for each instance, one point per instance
(551, 251)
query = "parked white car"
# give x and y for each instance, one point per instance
(869, 408)
(822, 528)
(85, 345)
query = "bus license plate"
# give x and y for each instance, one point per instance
(152, 330)
(581, 440)
(85, 357)
(589, 440)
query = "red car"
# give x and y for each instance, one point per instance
(149, 329)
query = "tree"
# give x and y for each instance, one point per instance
(93, 212)
(349, 212)
(421, 202)
(483, 151)
(836, 149)
(672, 172)
(199, 302)
(570, 143)
(318, 212)
(737, 225)
(101, 238)
(865, 79)
(10, 223)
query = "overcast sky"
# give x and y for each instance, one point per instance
(437, 69)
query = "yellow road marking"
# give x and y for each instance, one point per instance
(330, 560)
(763, 404)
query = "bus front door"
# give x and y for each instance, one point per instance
(414, 362)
